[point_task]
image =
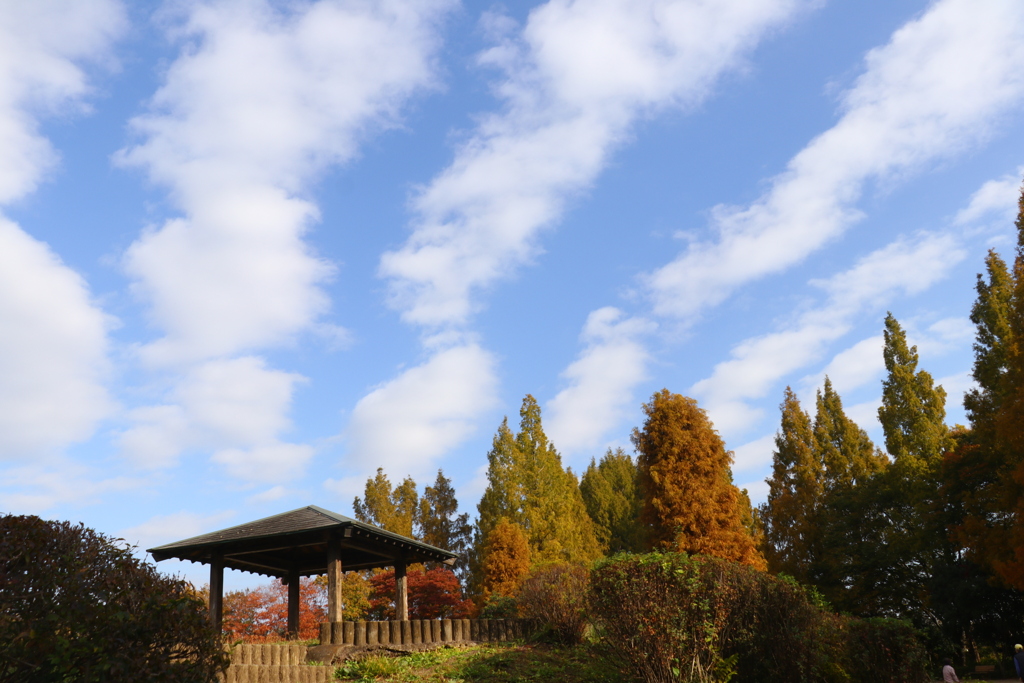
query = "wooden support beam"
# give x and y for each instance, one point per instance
(334, 579)
(401, 593)
(293, 603)
(216, 590)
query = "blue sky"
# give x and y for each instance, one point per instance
(253, 251)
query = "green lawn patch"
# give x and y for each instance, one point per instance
(505, 663)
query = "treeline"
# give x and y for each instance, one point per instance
(677, 495)
(929, 531)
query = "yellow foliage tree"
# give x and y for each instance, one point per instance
(690, 503)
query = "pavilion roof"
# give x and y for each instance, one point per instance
(297, 540)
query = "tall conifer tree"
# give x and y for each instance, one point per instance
(846, 451)
(394, 509)
(440, 523)
(528, 486)
(794, 494)
(690, 503)
(611, 492)
(913, 410)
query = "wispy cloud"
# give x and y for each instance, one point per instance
(601, 381)
(997, 199)
(576, 77)
(53, 352)
(936, 89)
(236, 407)
(906, 266)
(405, 424)
(259, 102)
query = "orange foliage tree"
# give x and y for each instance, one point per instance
(260, 615)
(433, 594)
(690, 503)
(506, 559)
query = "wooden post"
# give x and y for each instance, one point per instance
(216, 589)
(401, 593)
(293, 603)
(334, 578)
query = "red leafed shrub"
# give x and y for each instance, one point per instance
(260, 615)
(433, 594)
(556, 595)
(78, 606)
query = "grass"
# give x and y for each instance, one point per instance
(505, 663)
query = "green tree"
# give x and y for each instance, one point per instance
(392, 509)
(794, 494)
(845, 450)
(611, 492)
(528, 486)
(690, 503)
(441, 525)
(913, 411)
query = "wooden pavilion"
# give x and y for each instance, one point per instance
(304, 542)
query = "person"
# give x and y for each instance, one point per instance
(948, 673)
(1018, 660)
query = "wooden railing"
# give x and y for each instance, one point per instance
(423, 631)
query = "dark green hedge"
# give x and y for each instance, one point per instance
(77, 606)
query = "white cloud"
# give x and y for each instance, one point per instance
(601, 381)
(53, 349)
(906, 266)
(43, 44)
(405, 424)
(37, 487)
(936, 89)
(866, 416)
(576, 77)
(163, 529)
(238, 407)
(956, 385)
(757, 490)
(754, 454)
(258, 103)
(998, 196)
(856, 366)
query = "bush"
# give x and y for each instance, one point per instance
(76, 606)
(886, 651)
(674, 617)
(499, 607)
(556, 596)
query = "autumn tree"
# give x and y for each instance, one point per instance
(690, 503)
(505, 560)
(611, 493)
(528, 486)
(993, 525)
(260, 615)
(434, 593)
(392, 509)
